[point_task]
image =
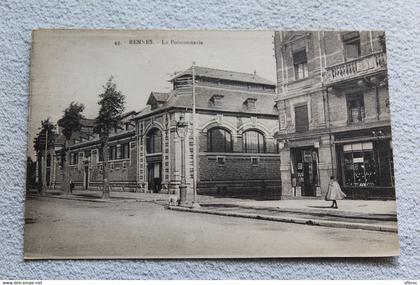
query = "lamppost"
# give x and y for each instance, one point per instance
(181, 130)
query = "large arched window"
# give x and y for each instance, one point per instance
(253, 142)
(219, 140)
(154, 141)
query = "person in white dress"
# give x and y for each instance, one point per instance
(334, 192)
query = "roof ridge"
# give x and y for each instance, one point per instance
(219, 69)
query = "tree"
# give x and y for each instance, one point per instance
(111, 106)
(69, 123)
(41, 148)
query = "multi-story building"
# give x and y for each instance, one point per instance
(334, 117)
(235, 122)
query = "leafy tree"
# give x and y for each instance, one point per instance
(111, 106)
(46, 134)
(69, 124)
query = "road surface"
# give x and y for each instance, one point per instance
(59, 228)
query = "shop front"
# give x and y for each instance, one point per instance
(305, 171)
(365, 165)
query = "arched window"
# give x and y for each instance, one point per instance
(253, 142)
(219, 140)
(154, 141)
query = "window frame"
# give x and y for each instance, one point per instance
(353, 37)
(300, 66)
(362, 153)
(261, 148)
(151, 141)
(361, 107)
(228, 143)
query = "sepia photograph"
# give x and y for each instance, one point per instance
(166, 144)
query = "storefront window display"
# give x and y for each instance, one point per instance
(359, 164)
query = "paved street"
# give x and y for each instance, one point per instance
(60, 228)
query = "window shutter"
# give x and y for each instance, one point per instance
(301, 119)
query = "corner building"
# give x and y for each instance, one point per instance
(334, 116)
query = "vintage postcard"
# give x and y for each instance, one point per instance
(209, 144)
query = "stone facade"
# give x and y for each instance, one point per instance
(235, 109)
(85, 164)
(233, 172)
(334, 117)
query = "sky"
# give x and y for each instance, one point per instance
(74, 65)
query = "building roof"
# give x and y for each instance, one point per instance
(88, 133)
(160, 97)
(226, 75)
(232, 101)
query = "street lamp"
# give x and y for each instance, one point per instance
(181, 130)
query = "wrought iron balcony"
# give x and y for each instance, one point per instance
(357, 68)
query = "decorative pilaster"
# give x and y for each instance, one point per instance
(142, 175)
(166, 154)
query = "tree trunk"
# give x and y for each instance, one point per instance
(39, 169)
(66, 182)
(44, 165)
(105, 188)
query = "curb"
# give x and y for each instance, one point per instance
(337, 214)
(310, 222)
(99, 200)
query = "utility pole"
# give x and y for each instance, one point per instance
(195, 203)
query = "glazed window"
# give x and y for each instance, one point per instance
(359, 165)
(300, 63)
(253, 142)
(112, 152)
(73, 158)
(125, 151)
(219, 140)
(154, 141)
(351, 42)
(355, 108)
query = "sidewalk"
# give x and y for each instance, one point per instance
(357, 214)
(370, 209)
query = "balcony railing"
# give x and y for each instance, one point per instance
(356, 68)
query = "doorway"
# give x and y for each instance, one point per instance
(86, 178)
(154, 176)
(305, 164)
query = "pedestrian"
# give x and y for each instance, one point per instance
(71, 186)
(334, 192)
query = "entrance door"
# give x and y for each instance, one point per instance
(307, 170)
(154, 176)
(86, 178)
(308, 176)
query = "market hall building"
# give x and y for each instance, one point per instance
(237, 155)
(236, 120)
(334, 116)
